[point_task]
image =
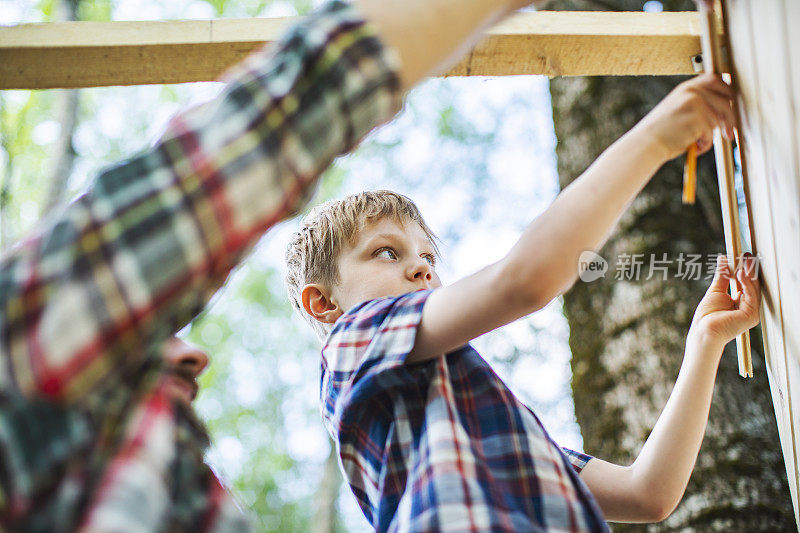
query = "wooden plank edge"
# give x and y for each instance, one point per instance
(156, 32)
(91, 54)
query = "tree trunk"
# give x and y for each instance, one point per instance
(324, 518)
(65, 112)
(627, 336)
(62, 157)
(5, 187)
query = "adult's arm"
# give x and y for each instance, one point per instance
(429, 35)
(139, 254)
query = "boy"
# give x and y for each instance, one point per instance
(429, 438)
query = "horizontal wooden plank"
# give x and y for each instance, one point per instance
(553, 43)
(90, 54)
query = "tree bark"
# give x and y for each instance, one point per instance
(65, 111)
(6, 234)
(62, 157)
(627, 336)
(324, 518)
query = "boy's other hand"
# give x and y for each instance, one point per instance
(721, 317)
(689, 115)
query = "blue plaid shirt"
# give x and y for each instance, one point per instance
(442, 445)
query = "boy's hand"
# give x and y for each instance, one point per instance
(721, 317)
(689, 114)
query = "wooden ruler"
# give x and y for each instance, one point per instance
(723, 151)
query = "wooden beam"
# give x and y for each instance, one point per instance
(574, 43)
(90, 54)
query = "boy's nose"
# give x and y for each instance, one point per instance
(181, 354)
(422, 271)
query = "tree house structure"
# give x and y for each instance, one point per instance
(763, 55)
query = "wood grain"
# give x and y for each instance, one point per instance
(89, 54)
(766, 67)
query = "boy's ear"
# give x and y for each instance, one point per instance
(317, 303)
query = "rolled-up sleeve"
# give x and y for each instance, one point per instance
(577, 460)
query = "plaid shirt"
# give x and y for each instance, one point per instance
(89, 437)
(442, 445)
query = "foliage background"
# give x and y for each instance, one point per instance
(477, 155)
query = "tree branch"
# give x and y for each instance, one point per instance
(62, 156)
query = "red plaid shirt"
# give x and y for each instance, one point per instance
(89, 438)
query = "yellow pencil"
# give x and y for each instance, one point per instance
(690, 175)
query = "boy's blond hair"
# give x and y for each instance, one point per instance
(313, 250)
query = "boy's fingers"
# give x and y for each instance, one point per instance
(722, 275)
(705, 116)
(715, 84)
(717, 97)
(704, 144)
(712, 84)
(748, 268)
(721, 111)
(748, 301)
(750, 283)
(751, 262)
(707, 125)
(750, 288)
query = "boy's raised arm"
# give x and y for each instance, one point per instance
(544, 262)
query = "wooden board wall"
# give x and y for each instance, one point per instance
(765, 47)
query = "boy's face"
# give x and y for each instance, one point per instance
(386, 258)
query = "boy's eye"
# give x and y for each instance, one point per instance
(430, 259)
(386, 253)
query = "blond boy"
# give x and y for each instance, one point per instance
(429, 438)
